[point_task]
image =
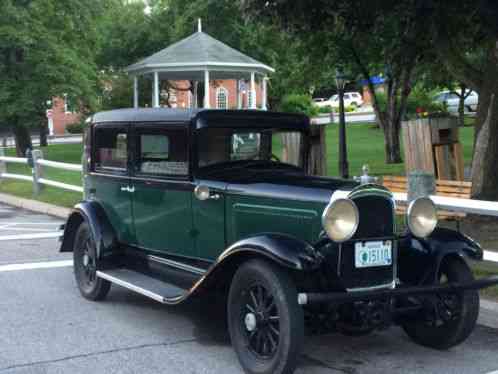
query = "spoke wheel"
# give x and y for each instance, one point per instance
(449, 318)
(85, 266)
(266, 323)
(261, 322)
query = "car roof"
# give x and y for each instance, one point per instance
(200, 118)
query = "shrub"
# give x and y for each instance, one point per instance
(419, 104)
(76, 128)
(325, 109)
(295, 103)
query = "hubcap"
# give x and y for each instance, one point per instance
(250, 322)
(261, 321)
(86, 260)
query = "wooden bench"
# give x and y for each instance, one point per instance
(458, 189)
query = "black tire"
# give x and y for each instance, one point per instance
(458, 328)
(258, 282)
(85, 270)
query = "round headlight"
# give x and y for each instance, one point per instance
(340, 219)
(421, 217)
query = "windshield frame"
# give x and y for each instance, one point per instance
(231, 164)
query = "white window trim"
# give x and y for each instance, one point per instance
(218, 91)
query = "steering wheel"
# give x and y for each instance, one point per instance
(274, 157)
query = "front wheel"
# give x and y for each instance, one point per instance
(452, 317)
(85, 266)
(266, 323)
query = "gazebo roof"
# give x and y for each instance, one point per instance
(198, 52)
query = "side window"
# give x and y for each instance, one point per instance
(161, 152)
(346, 97)
(111, 149)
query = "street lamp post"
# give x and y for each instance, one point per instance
(340, 81)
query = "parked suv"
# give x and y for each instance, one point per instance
(179, 203)
(351, 99)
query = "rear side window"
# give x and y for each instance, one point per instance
(111, 149)
(162, 152)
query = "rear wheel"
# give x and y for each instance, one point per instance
(85, 266)
(452, 317)
(266, 323)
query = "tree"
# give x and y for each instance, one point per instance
(465, 36)
(366, 37)
(46, 50)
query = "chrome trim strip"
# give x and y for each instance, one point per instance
(178, 265)
(131, 287)
(390, 285)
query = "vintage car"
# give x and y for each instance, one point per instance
(183, 202)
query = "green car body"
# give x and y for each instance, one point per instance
(183, 202)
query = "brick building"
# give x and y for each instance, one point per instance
(62, 115)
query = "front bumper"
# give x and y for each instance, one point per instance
(402, 291)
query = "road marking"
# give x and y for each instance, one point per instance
(31, 223)
(493, 372)
(493, 257)
(17, 228)
(44, 235)
(36, 265)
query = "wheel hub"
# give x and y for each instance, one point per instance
(86, 260)
(250, 321)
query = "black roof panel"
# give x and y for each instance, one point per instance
(206, 118)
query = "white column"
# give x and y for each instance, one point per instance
(237, 90)
(155, 95)
(252, 92)
(194, 101)
(207, 93)
(264, 99)
(135, 92)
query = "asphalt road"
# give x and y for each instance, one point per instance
(46, 327)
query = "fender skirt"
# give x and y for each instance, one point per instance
(93, 214)
(420, 259)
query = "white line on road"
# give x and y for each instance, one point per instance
(32, 229)
(44, 235)
(491, 256)
(31, 223)
(36, 265)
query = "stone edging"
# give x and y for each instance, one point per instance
(35, 206)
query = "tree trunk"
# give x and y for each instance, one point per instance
(485, 159)
(392, 144)
(43, 134)
(461, 107)
(23, 139)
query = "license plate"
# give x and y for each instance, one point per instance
(370, 254)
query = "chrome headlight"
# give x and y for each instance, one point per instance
(340, 219)
(421, 217)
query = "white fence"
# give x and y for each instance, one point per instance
(37, 171)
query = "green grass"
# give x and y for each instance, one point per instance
(70, 153)
(365, 146)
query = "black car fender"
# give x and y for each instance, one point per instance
(284, 250)
(420, 259)
(102, 231)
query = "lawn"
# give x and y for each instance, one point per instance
(365, 146)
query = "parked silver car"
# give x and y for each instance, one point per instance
(451, 100)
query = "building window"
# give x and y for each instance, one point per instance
(221, 98)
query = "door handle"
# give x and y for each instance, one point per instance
(128, 189)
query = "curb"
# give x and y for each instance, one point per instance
(35, 206)
(488, 314)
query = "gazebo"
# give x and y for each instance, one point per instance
(201, 58)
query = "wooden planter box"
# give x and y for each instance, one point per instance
(432, 145)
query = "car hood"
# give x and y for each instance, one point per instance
(292, 187)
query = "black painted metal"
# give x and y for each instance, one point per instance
(343, 297)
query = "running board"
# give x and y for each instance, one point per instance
(140, 283)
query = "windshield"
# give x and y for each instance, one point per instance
(217, 146)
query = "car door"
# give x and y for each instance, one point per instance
(109, 177)
(162, 196)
